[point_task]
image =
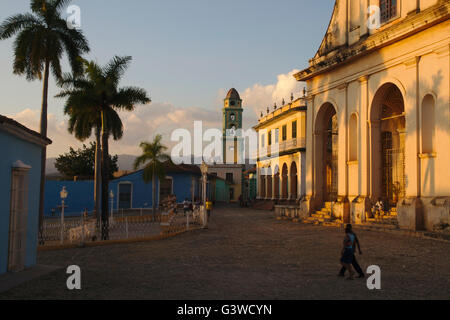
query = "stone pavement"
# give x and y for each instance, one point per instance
(247, 254)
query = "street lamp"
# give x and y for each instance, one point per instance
(111, 196)
(63, 194)
(204, 170)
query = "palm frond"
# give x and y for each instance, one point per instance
(115, 69)
(127, 98)
(17, 23)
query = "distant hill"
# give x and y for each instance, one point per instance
(125, 163)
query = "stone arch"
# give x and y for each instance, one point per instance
(294, 181)
(262, 181)
(276, 182)
(388, 81)
(326, 154)
(387, 132)
(269, 183)
(285, 181)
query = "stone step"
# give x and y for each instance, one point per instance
(328, 205)
(378, 226)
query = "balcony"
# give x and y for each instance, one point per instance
(285, 146)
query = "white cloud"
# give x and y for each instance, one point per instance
(162, 117)
(258, 97)
(57, 131)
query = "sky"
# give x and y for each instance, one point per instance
(186, 54)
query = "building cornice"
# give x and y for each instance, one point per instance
(407, 27)
(281, 113)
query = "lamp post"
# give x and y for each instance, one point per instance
(111, 196)
(204, 170)
(63, 194)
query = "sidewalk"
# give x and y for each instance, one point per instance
(12, 280)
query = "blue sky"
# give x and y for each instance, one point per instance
(185, 53)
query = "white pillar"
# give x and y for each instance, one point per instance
(309, 174)
(412, 129)
(363, 141)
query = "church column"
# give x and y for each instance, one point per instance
(363, 142)
(412, 108)
(410, 213)
(342, 115)
(310, 136)
(299, 176)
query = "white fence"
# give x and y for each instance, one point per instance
(135, 224)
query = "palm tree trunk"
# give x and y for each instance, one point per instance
(105, 180)
(43, 131)
(97, 178)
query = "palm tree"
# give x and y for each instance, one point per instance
(83, 119)
(153, 158)
(42, 39)
(98, 89)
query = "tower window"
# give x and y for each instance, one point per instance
(388, 10)
(284, 132)
(232, 103)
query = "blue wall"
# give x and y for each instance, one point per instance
(14, 149)
(81, 193)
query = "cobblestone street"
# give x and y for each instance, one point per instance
(247, 254)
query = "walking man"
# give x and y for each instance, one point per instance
(355, 264)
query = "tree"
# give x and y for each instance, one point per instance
(98, 88)
(153, 159)
(81, 163)
(42, 39)
(85, 117)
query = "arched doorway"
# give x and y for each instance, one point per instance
(294, 181)
(326, 155)
(269, 183)
(276, 183)
(262, 179)
(387, 119)
(284, 187)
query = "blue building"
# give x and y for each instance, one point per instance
(20, 172)
(130, 191)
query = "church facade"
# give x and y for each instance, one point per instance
(378, 116)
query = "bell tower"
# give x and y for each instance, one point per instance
(232, 121)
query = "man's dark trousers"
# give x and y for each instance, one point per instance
(355, 265)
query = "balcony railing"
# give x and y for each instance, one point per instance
(284, 146)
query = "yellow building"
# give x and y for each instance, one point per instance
(378, 119)
(281, 155)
